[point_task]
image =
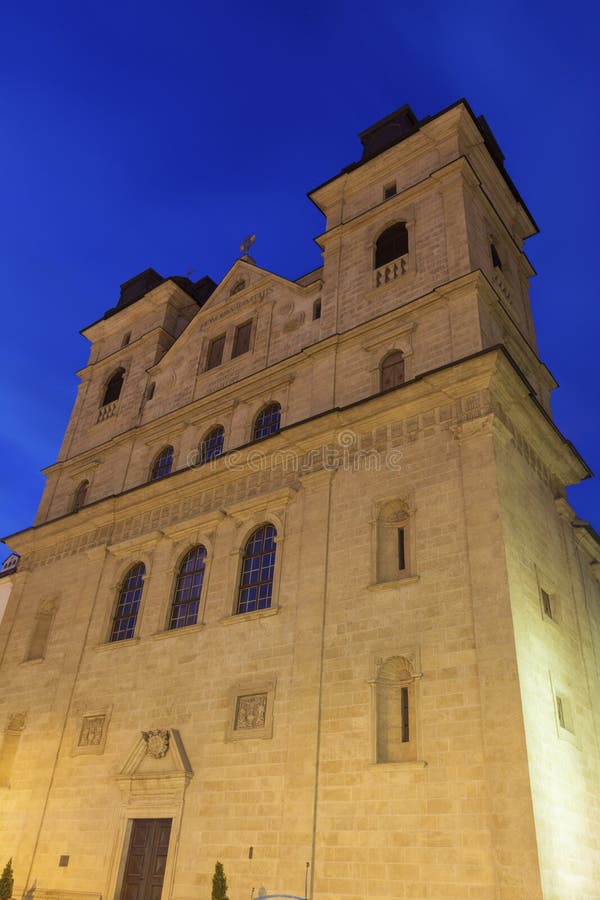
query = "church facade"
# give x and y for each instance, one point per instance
(304, 594)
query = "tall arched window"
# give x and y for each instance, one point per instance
(258, 567)
(392, 370)
(391, 244)
(128, 604)
(113, 388)
(211, 445)
(80, 495)
(395, 711)
(188, 588)
(162, 465)
(267, 422)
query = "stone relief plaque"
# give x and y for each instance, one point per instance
(92, 729)
(16, 722)
(251, 711)
(90, 735)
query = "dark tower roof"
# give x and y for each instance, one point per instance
(387, 132)
(140, 285)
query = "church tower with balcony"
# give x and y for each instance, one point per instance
(304, 594)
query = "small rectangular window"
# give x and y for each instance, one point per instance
(241, 341)
(389, 191)
(215, 352)
(564, 713)
(401, 550)
(317, 309)
(561, 712)
(496, 261)
(546, 603)
(405, 715)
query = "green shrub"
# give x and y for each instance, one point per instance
(7, 881)
(219, 887)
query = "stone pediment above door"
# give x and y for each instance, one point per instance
(157, 767)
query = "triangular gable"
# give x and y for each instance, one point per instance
(258, 285)
(156, 762)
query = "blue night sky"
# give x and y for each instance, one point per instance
(162, 134)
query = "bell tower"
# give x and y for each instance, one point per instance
(427, 220)
(129, 339)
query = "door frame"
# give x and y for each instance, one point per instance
(123, 837)
(156, 793)
(126, 848)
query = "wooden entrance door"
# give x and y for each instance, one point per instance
(146, 859)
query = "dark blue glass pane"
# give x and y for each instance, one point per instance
(268, 421)
(128, 604)
(188, 588)
(258, 566)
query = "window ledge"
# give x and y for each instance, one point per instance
(33, 662)
(110, 645)
(406, 764)
(183, 629)
(398, 582)
(255, 614)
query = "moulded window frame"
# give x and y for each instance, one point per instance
(155, 458)
(179, 629)
(236, 328)
(554, 615)
(180, 550)
(82, 487)
(103, 402)
(397, 221)
(211, 342)
(545, 584)
(410, 752)
(387, 356)
(239, 554)
(404, 215)
(258, 413)
(563, 695)
(405, 519)
(124, 572)
(201, 460)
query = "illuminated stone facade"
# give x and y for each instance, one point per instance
(410, 706)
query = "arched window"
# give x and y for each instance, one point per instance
(80, 495)
(113, 388)
(128, 603)
(258, 567)
(391, 244)
(395, 711)
(211, 445)
(392, 370)
(267, 422)
(163, 464)
(394, 556)
(188, 588)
